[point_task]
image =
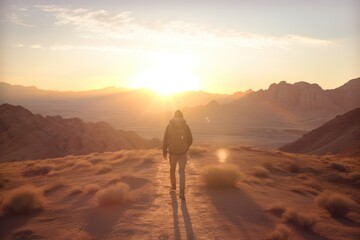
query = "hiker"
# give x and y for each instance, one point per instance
(177, 139)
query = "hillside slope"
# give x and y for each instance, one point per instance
(340, 135)
(24, 135)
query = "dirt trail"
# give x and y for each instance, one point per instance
(206, 214)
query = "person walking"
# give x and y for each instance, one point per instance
(177, 141)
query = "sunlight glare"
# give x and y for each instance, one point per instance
(168, 73)
(222, 155)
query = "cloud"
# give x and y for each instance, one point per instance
(19, 17)
(102, 24)
(36, 46)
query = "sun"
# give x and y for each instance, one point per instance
(168, 73)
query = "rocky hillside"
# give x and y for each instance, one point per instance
(300, 105)
(340, 135)
(24, 135)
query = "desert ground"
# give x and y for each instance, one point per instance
(233, 192)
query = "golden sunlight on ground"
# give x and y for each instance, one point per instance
(168, 73)
(222, 155)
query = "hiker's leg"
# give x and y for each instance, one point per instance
(182, 163)
(173, 162)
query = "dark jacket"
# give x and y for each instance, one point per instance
(176, 122)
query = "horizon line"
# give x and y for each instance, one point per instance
(151, 90)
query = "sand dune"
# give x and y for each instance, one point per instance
(260, 206)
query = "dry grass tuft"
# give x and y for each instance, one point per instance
(24, 199)
(2, 181)
(336, 204)
(36, 170)
(221, 175)
(56, 186)
(260, 172)
(197, 150)
(113, 181)
(75, 190)
(82, 165)
(355, 176)
(267, 165)
(304, 190)
(305, 221)
(281, 232)
(313, 184)
(113, 194)
(95, 161)
(302, 176)
(75, 234)
(118, 156)
(103, 168)
(338, 166)
(277, 209)
(293, 168)
(91, 188)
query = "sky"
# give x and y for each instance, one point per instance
(216, 46)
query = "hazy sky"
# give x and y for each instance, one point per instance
(217, 46)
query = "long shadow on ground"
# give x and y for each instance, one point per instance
(241, 210)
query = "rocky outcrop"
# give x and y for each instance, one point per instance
(24, 135)
(340, 135)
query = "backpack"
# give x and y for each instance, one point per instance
(178, 141)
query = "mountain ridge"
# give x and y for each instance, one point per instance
(24, 135)
(341, 135)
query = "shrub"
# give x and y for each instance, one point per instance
(302, 176)
(277, 209)
(104, 168)
(303, 190)
(117, 156)
(306, 221)
(24, 199)
(113, 181)
(55, 187)
(37, 170)
(197, 150)
(260, 172)
(91, 188)
(355, 176)
(74, 234)
(82, 164)
(338, 166)
(281, 232)
(293, 168)
(221, 175)
(267, 165)
(336, 204)
(95, 161)
(113, 194)
(313, 184)
(75, 190)
(2, 181)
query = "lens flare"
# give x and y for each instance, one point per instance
(222, 155)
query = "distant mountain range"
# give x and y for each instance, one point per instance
(270, 117)
(300, 104)
(340, 135)
(24, 135)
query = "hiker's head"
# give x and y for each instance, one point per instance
(178, 114)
